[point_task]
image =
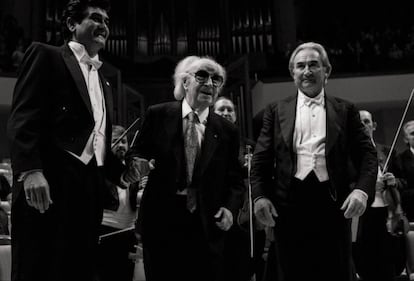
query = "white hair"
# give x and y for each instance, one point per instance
(186, 65)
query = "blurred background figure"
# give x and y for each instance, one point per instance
(239, 266)
(5, 204)
(119, 214)
(378, 251)
(405, 161)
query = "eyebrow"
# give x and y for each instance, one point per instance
(95, 14)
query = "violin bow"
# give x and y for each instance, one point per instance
(384, 170)
(249, 165)
(124, 133)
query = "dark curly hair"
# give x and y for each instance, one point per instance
(77, 10)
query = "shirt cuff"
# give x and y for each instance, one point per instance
(23, 175)
(362, 193)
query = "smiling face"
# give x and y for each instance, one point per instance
(308, 72)
(201, 92)
(92, 32)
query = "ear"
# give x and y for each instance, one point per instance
(71, 24)
(185, 83)
(374, 126)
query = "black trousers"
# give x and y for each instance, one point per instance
(378, 255)
(313, 239)
(61, 244)
(179, 249)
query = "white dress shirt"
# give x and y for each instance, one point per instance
(96, 142)
(310, 135)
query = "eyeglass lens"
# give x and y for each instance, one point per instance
(202, 77)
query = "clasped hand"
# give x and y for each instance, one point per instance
(387, 179)
(138, 168)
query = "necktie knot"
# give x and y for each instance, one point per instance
(192, 117)
(95, 62)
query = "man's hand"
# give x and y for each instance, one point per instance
(36, 189)
(388, 178)
(138, 167)
(264, 212)
(355, 204)
(225, 219)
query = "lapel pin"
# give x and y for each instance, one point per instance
(215, 136)
(107, 83)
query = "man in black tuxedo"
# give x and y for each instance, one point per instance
(187, 207)
(300, 176)
(60, 133)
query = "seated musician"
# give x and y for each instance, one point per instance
(119, 214)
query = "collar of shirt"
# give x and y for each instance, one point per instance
(412, 150)
(304, 99)
(82, 55)
(202, 115)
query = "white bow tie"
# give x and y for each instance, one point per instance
(89, 61)
(309, 101)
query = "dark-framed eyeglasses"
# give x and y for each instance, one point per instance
(202, 77)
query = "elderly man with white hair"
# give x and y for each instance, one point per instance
(195, 187)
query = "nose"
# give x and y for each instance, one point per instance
(226, 112)
(307, 70)
(209, 81)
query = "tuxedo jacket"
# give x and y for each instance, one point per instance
(217, 173)
(274, 160)
(51, 111)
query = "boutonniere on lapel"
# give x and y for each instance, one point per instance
(107, 83)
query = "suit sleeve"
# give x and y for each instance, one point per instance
(363, 155)
(28, 110)
(235, 176)
(263, 157)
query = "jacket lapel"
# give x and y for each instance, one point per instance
(211, 139)
(287, 116)
(74, 69)
(333, 110)
(107, 93)
(174, 132)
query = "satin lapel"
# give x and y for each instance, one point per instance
(107, 92)
(173, 126)
(76, 72)
(287, 116)
(211, 139)
(333, 112)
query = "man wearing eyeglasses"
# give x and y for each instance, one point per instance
(60, 133)
(300, 176)
(195, 188)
